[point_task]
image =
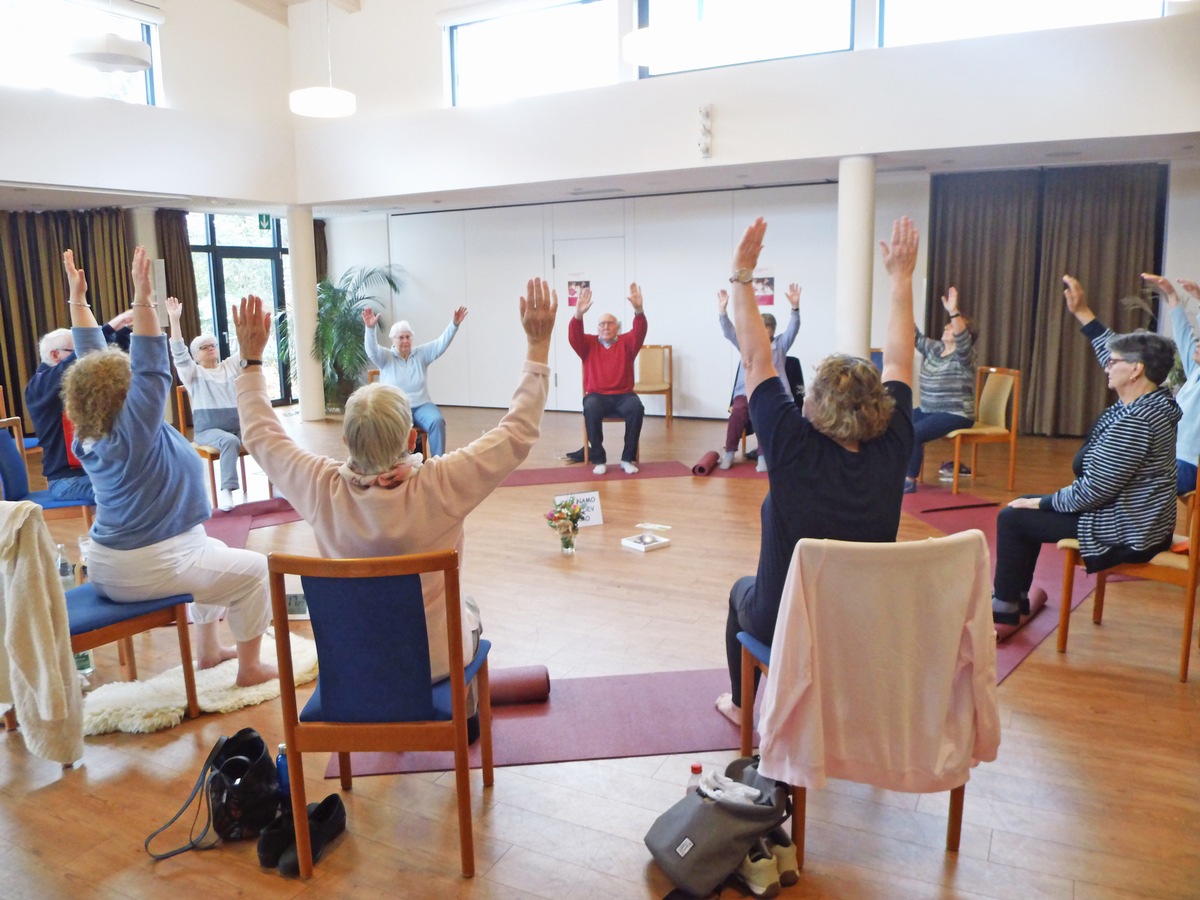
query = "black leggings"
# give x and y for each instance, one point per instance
(1020, 534)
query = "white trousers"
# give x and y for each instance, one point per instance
(189, 563)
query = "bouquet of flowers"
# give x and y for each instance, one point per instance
(564, 518)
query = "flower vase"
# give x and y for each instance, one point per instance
(568, 542)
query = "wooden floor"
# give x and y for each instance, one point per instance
(1096, 792)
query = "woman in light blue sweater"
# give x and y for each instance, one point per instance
(148, 539)
(1187, 442)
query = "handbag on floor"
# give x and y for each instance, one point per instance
(238, 788)
(699, 841)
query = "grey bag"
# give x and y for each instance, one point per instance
(699, 842)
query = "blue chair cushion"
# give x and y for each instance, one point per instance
(759, 650)
(14, 479)
(31, 443)
(46, 500)
(441, 690)
(89, 611)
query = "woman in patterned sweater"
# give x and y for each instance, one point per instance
(1121, 506)
(947, 382)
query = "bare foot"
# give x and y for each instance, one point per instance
(207, 661)
(255, 673)
(726, 707)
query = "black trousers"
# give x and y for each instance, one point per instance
(1020, 534)
(626, 406)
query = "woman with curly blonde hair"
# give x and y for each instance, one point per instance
(836, 468)
(148, 539)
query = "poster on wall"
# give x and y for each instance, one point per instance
(764, 289)
(575, 286)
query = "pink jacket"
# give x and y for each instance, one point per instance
(883, 665)
(423, 513)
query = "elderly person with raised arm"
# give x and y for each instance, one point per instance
(148, 539)
(209, 382)
(1187, 441)
(608, 357)
(402, 365)
(739, 407)
(947, 382)
(1121, 505)
(385, 500)
(835, 467)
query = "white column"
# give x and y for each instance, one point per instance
(303, 260)
(855, 254)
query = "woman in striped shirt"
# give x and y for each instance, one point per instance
(1121, 506)
(947, 383)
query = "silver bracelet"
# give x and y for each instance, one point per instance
(146, 305)
(73, 303)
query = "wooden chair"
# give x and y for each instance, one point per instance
(31, 447)
(374, 692)
(14, 479)
(1168, 567)
(994, 387)
(655, 370)
(210, 455)
(422, 434)
(921, 675)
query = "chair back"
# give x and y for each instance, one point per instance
(879, 634)
(993, 388)
(14, 477)
(654, 364)
(368, 622)
(181, 405)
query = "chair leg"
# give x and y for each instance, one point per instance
(954, 822)
(1070, 559)
(799, 808)
(185, 656)
(462, 788)
(1098, 599)
(670, 397)
(300, 812)
(485, 724)
(212, 482)
(128, 658)
(1012, 460)
(957, 462)
(1189, 615)
(10, 718)
(245, 483)
(345, 771)
(747, 702)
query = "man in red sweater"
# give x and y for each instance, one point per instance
(608, 378)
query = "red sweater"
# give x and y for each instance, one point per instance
(608, 370)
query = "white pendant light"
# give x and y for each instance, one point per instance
(323, 101)
(112, 53)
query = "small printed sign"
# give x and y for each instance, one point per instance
(264, 222)
(576, 285)
(589, 502)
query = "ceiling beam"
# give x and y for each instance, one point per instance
(277, 9)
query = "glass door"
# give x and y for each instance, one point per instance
(238, 273)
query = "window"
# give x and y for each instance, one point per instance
(36, 37)
(925, 21)
(563, 47)
(235, 255)
(699, 34)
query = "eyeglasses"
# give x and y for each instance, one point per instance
(206, 347)
(1113, 360)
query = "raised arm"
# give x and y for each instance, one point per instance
(900, 260)
(180, 355)
(376, 354)
(145, 309)
(77, 303)
(752, 337)
(723, 318)
(788, 336)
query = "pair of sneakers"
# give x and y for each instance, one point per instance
(946, 472)
(626, 466)
(770, 865)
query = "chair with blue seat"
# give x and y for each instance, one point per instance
(14, 479)
(374, 692)
(30, 446)
(95, 621)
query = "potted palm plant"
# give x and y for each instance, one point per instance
(338, 341)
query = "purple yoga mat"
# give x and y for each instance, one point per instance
(707, 463)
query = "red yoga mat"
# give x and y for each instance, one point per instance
(523, 684)
(707, 463)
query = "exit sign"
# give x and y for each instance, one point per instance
(264, 222)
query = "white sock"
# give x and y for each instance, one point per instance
(727, 708)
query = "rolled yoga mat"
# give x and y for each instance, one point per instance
(523, 684)
(707, 463)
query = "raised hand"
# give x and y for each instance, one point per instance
(253, 327)
(793, 295)
(1163, 286)
(900, 256)
(635, 298)
(746, 254)
(1076, 298)
(585, 302)
(76, 280)
(370, 317)
(1191, 287)
(722, 301)
(143, 288)
(174, 308)
(950, 301)
(459, 315)
(121, 320)
(538, 307)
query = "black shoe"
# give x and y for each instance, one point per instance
(1003, 617)
(473, 729)
(574, 455)
(278, 837)
(325, 823)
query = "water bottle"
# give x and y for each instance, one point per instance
(66, 574)
(694, 778)
(285, 785)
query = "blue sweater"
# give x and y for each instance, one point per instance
(1187, 444)
(149, 482)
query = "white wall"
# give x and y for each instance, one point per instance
(677, 248)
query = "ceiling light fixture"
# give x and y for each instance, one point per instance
(112, 53)
(323, 101)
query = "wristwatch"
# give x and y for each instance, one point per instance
(745, 276)
(247, 363)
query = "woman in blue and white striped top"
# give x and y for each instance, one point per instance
(947, 383)
(1121, 506)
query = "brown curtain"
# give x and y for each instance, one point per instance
(320, 249)
(174, 246)
(1005, 239)
(1104, 225)
(33, 288)
(983, 241)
